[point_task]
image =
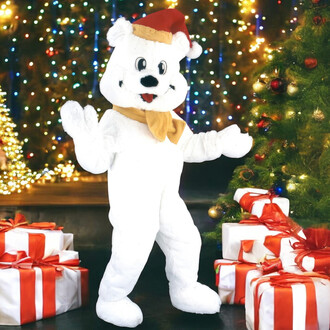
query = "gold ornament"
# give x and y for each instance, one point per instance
(318, 115)
(258, 86)
(245, 215)
(215, 212)
(292, 89)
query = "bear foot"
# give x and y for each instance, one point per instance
(197, 298)
(122, 313)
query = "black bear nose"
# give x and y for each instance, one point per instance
(149, 81)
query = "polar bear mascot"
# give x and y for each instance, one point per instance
(142, 143)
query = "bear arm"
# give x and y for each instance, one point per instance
(95, 152)
(200, 147)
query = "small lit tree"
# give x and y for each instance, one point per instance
(14, 174)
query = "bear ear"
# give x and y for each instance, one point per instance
(181, 42)
(120, 28)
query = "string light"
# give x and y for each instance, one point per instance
(77, 30)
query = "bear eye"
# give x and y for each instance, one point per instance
(140, 63)
(162, 67)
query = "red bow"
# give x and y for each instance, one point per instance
(55, 262)
(22, 260)
(274, 219)
(317, 246)
(20, 221)
(19, 260)
(248, 199)
(9, 224)
(271, 265)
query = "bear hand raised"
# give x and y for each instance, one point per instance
(78, 122)
(233, 143)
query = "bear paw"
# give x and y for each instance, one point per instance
(122, 313)
(197, 298)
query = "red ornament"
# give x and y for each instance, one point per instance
(278, 85)
(310, 62)
(259, 158)
(318, 20)
(135, 15)
(315, 1)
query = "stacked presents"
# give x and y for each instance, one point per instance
(39, 272)
(279, 271)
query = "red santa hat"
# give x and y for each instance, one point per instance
(162, 25)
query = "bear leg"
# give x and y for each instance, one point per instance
(180, 241)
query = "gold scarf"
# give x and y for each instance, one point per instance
(160, 124)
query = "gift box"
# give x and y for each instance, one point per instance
(254, 243)
(287, 301)
(31, 291)
(38, 240)
(254, 200)
(230, 279)
(36, 243)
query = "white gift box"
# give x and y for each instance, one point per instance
(28, 295)
(37, 243)
(288, 306)
(233, 234)
(258, 205)
(231, 280)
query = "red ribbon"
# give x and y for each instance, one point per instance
(283, 293)
(248, 199)
(246, 246)
(241, 270)
(84, 286)
(273, 243)
(27, 294)
(274, 219)
(54, 261)
(317, 246)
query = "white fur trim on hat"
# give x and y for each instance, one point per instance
(195, 51)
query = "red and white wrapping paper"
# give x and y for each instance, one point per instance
(287, 301)
(254, 200)
(231, 278)
(36, 243)
(254, 243)
(30, 294)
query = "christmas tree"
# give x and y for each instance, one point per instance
(14, 174)
(289, 120)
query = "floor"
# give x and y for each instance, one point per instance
(151, 294)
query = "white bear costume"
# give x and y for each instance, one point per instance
(144, 162)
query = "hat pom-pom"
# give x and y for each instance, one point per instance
(195, 50)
